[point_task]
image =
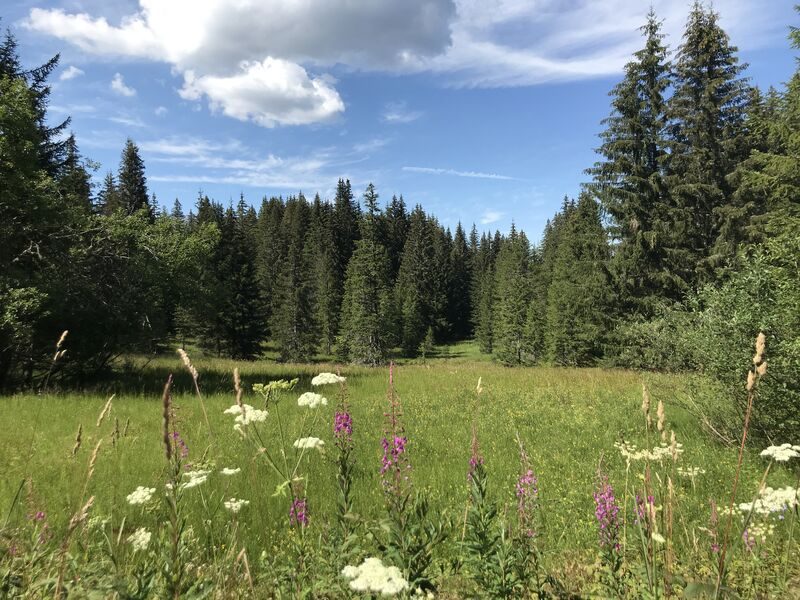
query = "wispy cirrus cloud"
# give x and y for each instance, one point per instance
(71, 72)
(398, 112)
(456, 173)
(491, 216)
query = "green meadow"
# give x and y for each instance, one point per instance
(568, 421)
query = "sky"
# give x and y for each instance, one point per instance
(483, 111)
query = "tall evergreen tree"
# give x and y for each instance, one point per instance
(321, 258)
(579, 295)
(131, 181)
(459, 297)
(707, 117)
(629, 180)
(367, 303)
(511, 300)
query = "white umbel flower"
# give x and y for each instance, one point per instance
(234, 505)
(246, 414)
(781, 453)
(228, 471)
(772, 500)
(140, 539)
(141, 495)
(194, 478)
(373, 577)
(308, 443)
(311, 400)
(327, 379)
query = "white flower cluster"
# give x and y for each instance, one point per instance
(309, 443)
(194, 478)
(311, 400)
(657, 454)
(372, 576)
(140, 539)
(141, 495)
(781, 453)
(771, 500)
(326, 379)
(690, 472)
(229, 471)
(246, 414)
(235, 505)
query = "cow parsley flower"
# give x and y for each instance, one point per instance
(141, 495)
(311, 400)
(771, 501)
(229, 471)
(326, 379)
(140, 539)
(194, 478)
(781, 453)
(309, 443)
(234, 505)
(657, 454)
(246, 414)
(373, 577)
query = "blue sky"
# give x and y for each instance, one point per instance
(481, 110)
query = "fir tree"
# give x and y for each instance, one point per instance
(629, 181)
(459, 303)
(707, 112)
(131, 181)
(511, 300)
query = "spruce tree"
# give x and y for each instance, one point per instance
(131, 181)
(511, 300)
(459, 305)
(367, 304)
(321, 258)
(707, 137)
(483, 295)
(579, 297)
(629, 180)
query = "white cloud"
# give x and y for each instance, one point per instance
(71, 72)
(268, 93)
(197, 160)
(475, 174)
(118, 86)
(161, 111)
(487, 43)
(491, 216)
(398, 112)
(128, 121)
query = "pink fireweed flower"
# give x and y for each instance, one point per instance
(607, 515)
(298, 513)
(342, 425)
(527, 493)
(475, 458)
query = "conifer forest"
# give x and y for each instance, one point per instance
(608, 408)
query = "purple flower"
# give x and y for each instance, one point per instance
(475, 458)
(298, 513)
(342, 425)
(607, 514)
(527, 496)
(179, 443)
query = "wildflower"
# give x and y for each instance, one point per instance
(308, 443)
(607, 514)
(475, 458)
(342, 425)
(373, 577)
(327, 378)
(246, 414)
(298, 513)
(234, 505)
(311, 400)
(771, 501)
(690, 472)
(658, 538)
(141, 495)
(140, 539)
(527, 493)
(781, 453)
(179, 443)
(228, 471)
(657, 454)
(194, 478)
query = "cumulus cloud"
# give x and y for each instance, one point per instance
(491, 216)
(485, 43)
(118, 86)
(474, 174)
(269, 92)
(71, 72)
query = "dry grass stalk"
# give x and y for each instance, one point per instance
(195, 375)
(242, 557)
(753, 375)
(78, 439)
(79, 517)
(237, 386)
(646, 406)
(105, 411)
(661, 421)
